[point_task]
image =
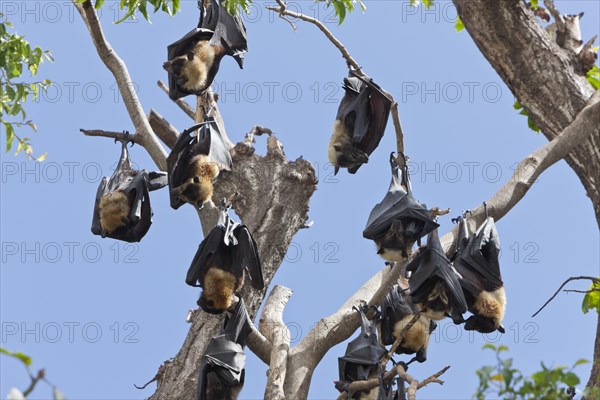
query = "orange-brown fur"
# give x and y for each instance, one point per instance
(113, 210)
(417, 335)
(195, 65)
(491, 304)
(219, 286)
(198, 188)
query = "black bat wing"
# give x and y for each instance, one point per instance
(482, 253)
(180, 47)
(219, 144)
(372, 116)
(435, 265)
(102, 190)
(397, 204)
(229, 30)
(185, 148)
(210, 251)
(362, 353)
(393, 309)
(157, 180)
(226, 359)
(140, 217)
(245, 255)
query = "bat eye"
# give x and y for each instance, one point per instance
(190, 55)
(196, 179)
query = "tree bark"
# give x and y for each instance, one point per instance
(541, 75)
(546, 80)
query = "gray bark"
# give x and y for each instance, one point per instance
(273, 203)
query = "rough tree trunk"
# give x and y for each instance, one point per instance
(546, 81)
(273, 203)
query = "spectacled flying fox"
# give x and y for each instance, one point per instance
(195, 162)
(226, 256)
(193, 61)
(122, 208)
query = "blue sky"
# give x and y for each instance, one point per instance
(100, 315)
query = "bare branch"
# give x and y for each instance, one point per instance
(272, 326)
(398, 341)
(582, 291)
(259, 345)
(163, 129)
(184, 105)
(145, 135)
(573, 278)
(112, 135)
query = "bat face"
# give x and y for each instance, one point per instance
(122, 208)
(219, 286)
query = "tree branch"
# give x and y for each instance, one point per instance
(573, 278)
(185, 107)
(274, 329)
(339, 326)
(144, 134)
(163, 129)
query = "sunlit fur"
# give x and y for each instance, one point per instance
(193, 67)
(113, 211)
(491, 304)
(417, 335)
(372, 394)
(389, 254)
(198, 188)
(339, 138)
(218, 288)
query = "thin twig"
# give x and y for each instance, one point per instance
(111, 134)
(398, 341)
(573, 278)
(185, 107)
(582, 291)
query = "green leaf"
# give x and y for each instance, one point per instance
(591, 300)
(10, 136)
(99, 4)
(489, 346)
(570, 379)
(458, 25)
(534, 4)
(25, 359)
(517, 105)
(427, 3)
(593, 77)
(42, 157)
(581, 361)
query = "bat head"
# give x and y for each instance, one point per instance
(210, 306)
(483, 324)
(347, 156)
(196, 191)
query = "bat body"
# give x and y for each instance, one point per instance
(195, 162)
(361, 360)
(225, 256)
(122, 208)
(397, 310)
(221, 374)
(360, 123)
(399, 220)
(476, 260)
(193, 60)
(434, 284)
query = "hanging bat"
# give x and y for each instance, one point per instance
(435, 285)
(477, 263)
(397, 310)
(193, 61)
(360, 123)
(225, 256)
(122, 208)
(221, 374)
(195, 162)
(399, 220)
(361, 360)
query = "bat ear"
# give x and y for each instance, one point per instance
(337, 169)
(337, 147)
(190, 55)
(501, 329)
(580, 15)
